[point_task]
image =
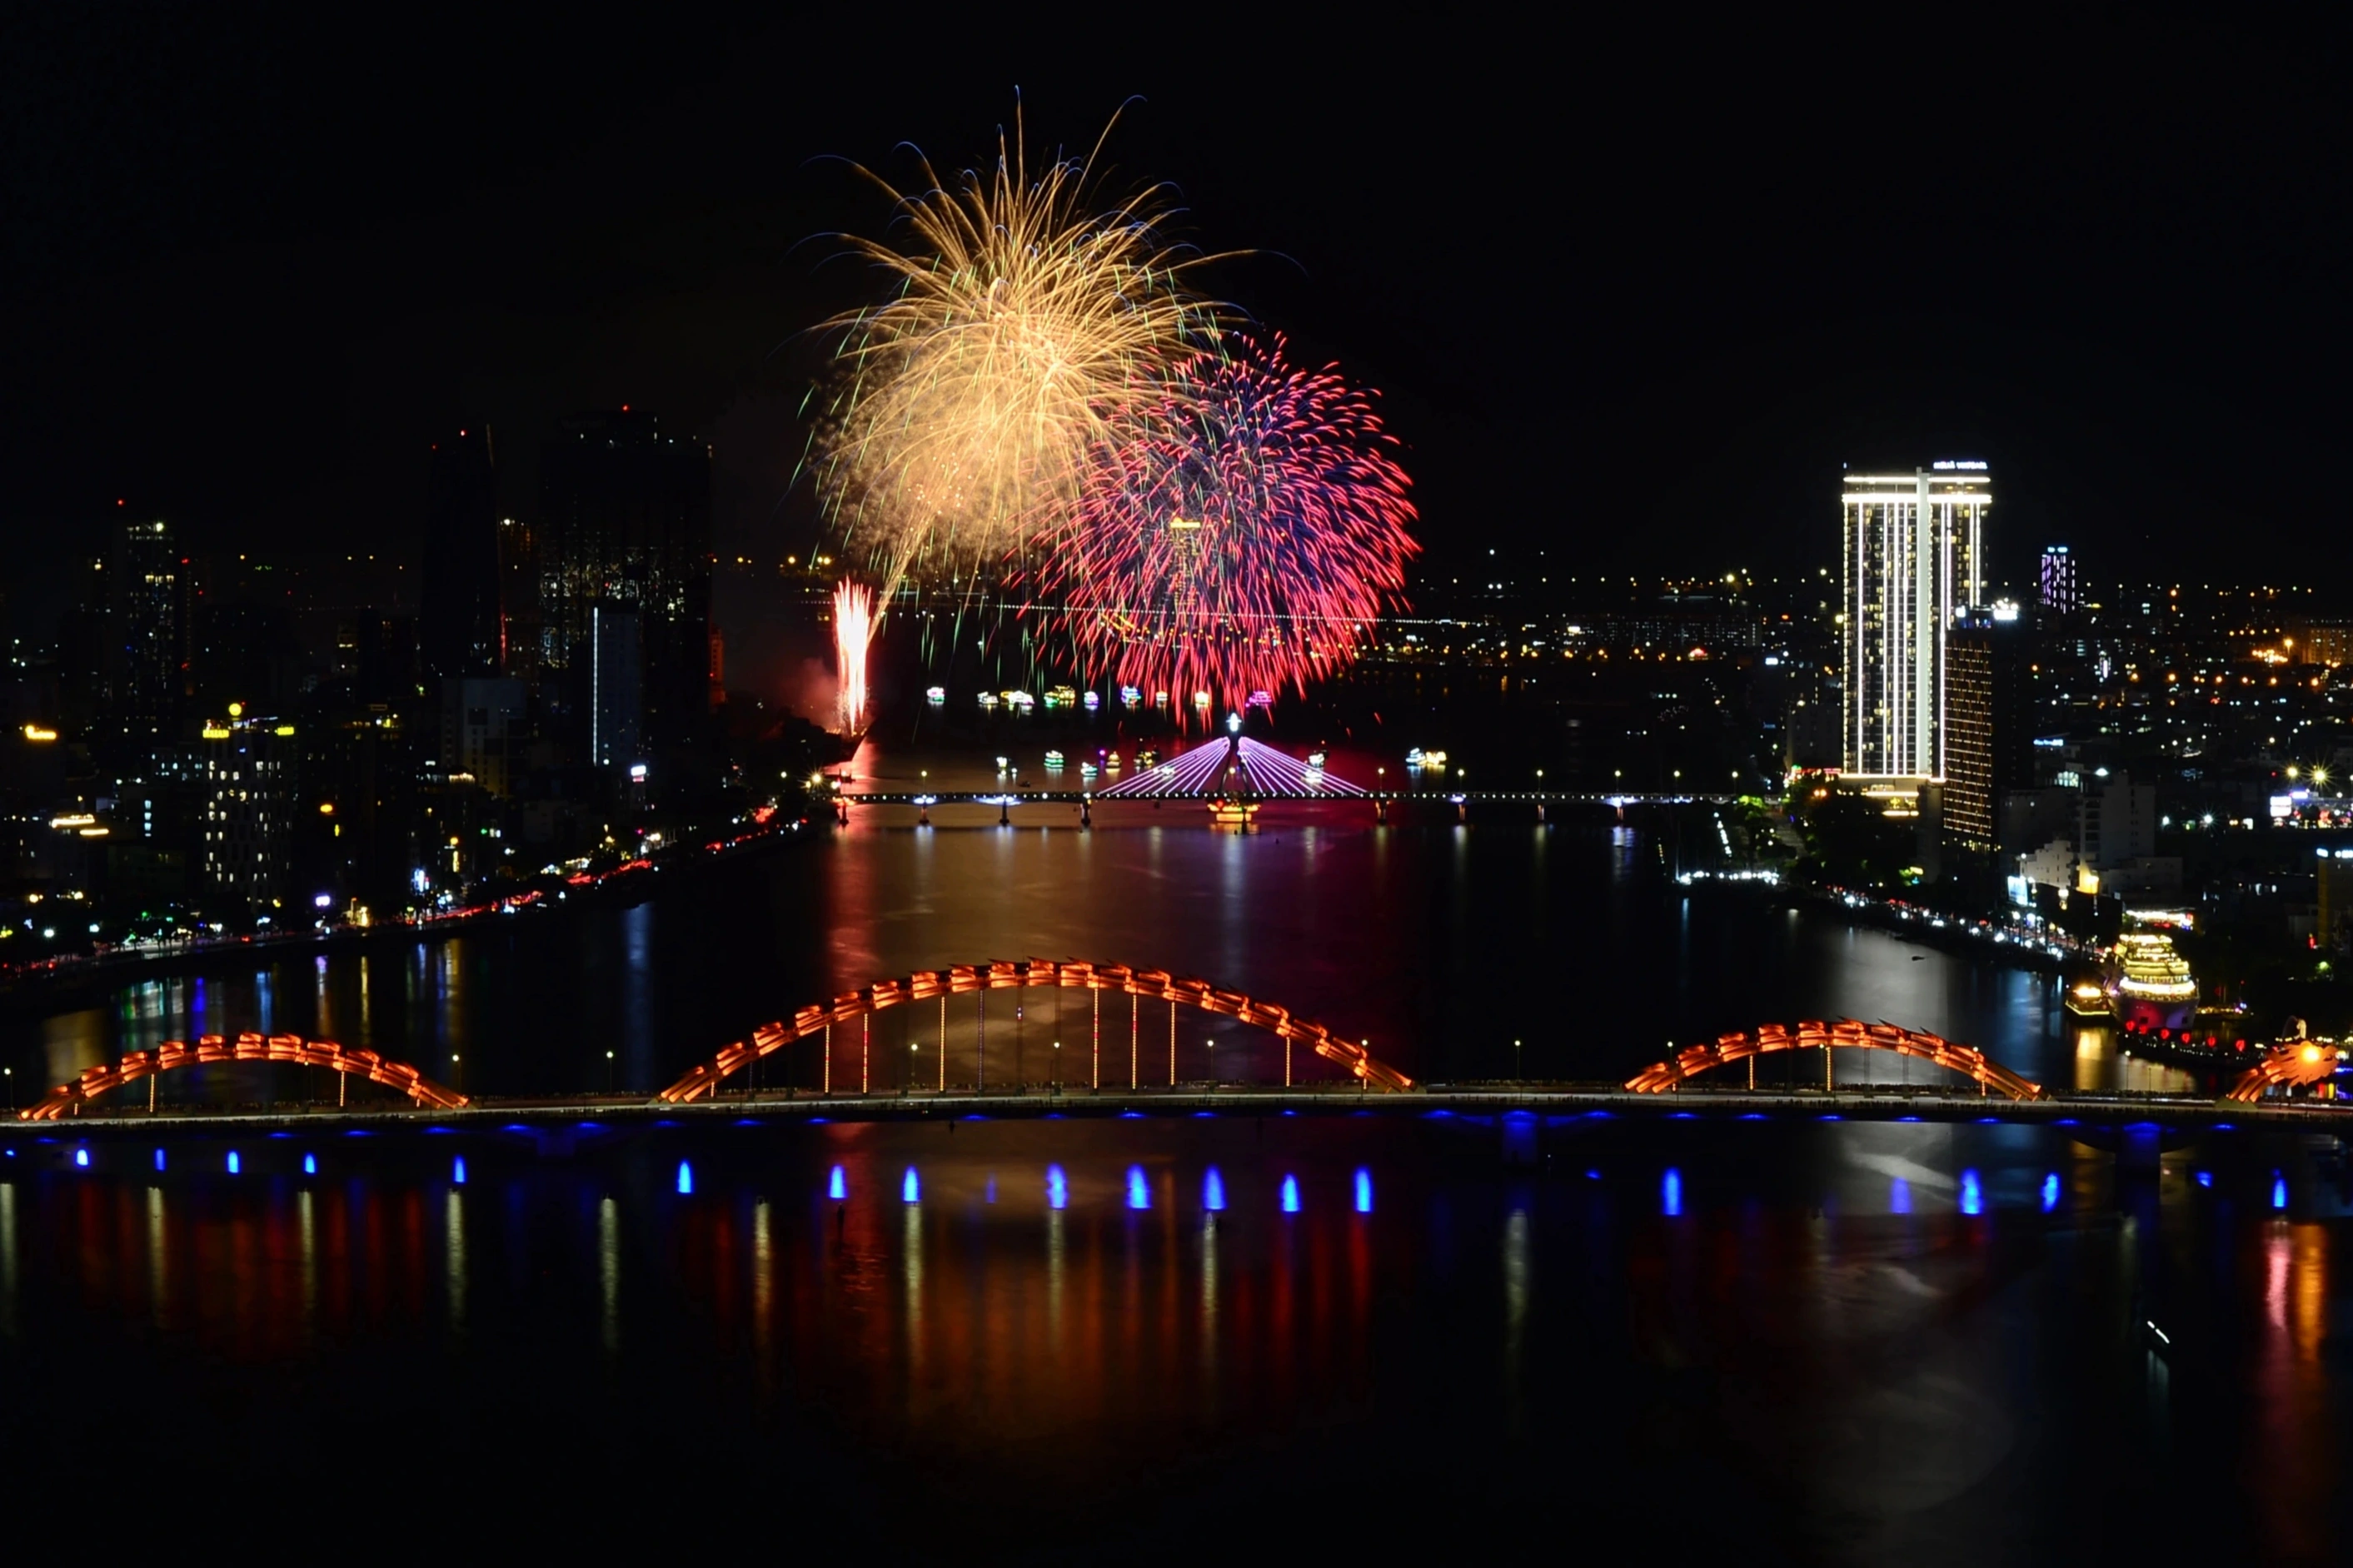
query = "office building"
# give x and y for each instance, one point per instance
(2059, 593)
(1913, 552)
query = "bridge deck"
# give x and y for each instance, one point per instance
(2096, 1113)
(1390, 797)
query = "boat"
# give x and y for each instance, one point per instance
(1061, 697)
(2087, 999)
(1088, 770)
(989, 699)
(1055, 759)
(2149, 986)
(1316, 758)
(935, 695)
(1235, 815)
(1111, 762)
(1146, 757)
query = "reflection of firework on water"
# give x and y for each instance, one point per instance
(1243, 538)
(853, 634)
(1022, 315)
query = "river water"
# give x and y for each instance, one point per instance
(1160, 1336)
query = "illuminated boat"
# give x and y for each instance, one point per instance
(2087, 999)
(1055, 759)
(1316, 758)
(1111, 762)
(1061, 697)
(1236, 815)
(1088, 770)
(1146, 757)
(2151, 985)
(935, 695)
(989, 699)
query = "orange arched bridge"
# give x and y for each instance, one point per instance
(67, 1099)
(979, 979)
(1844, 1034)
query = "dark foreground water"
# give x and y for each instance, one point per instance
(1172, 1337)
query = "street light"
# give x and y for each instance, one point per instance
(1516, 1074)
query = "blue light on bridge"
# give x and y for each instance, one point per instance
(309, 1163)
(458, 1172)
(232, 1162)
(1291, 1194)
(81, 1158)
(1139, 1196)
(1364, 1190)
(1058, 1188)
(1899, 1197)
(1670, 1193)
(2279, 1191)
(1972, 1194)
(685, 1179)
(2051, 1192)
(1213, 1192)
(158, 1159)
(911, 1190)
(837, 1184)
(2205, 1178)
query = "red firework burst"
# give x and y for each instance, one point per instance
(1243, 538)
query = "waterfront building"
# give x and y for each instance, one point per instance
(246, 810)
(1989, 720)
(1911, 547)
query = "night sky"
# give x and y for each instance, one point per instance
(1635, 297)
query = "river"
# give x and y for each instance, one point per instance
(1157, 1337)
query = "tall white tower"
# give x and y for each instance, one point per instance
(1913, 548)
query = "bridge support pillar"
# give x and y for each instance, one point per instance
(2137, 1150)
(1540, 811)
(1380, 811)
(841, 812)
(922, 816)
(1086, 811)
(1004, 811)
(1462, 810)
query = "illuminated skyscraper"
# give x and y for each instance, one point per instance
(1913, 548)
(149, 612)
(2058, 581)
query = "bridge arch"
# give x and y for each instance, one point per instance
(1844, 1034)
(67, 1099)
(930, 984)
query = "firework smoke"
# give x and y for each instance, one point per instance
(853, 634)
(1242, 538)
(1023, 315)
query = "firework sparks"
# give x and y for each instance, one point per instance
(853, 634)
(1244, 538)
(1024, 313)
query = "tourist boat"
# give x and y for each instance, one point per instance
(989, 699)
(1315, 760)
(2088, 998)
(1088, 770)
(1055, 759)
(2149, 986)
(1111, 762)
(1061, 697)
(935, 695)
(1146, 757)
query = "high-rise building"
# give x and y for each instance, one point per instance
(459, 627)
(246, 794)
(615, 698)
(2058, 581)
(1913, 552)
(625, 524)
(147, 615)
(1989, 717)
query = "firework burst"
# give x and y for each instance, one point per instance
(1024, 312)
(1243, 538)
(854, 626)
